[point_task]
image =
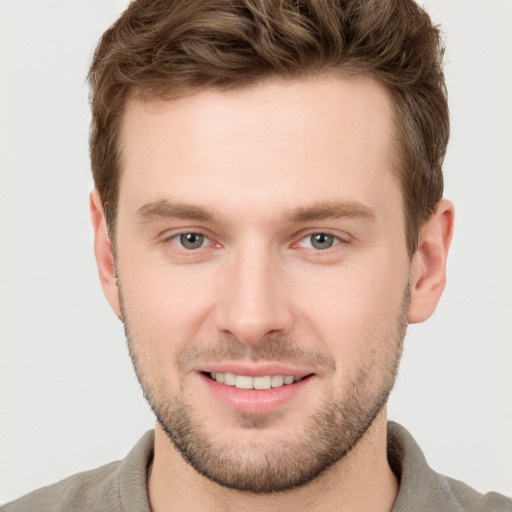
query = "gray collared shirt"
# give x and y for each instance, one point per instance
(121, 486)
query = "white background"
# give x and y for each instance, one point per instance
(69, 400)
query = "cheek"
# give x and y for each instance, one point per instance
(162, 314)
(164, 303)
(349, 309)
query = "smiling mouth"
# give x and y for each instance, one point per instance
(248, 382)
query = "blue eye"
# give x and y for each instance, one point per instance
(319, 241)
(191, 241)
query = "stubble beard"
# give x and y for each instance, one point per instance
(260, 467)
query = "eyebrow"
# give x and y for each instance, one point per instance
(165, 209)
(318, 211)
(331, 210)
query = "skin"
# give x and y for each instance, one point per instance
(256, 161)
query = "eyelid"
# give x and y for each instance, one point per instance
(169, 237)
(340, 238)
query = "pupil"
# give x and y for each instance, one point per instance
(322, 241)
(191, 240)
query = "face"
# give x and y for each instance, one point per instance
(263, 273)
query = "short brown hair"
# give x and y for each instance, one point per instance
(164, 48)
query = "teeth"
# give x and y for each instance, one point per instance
(277, 381)
(229, 379)
(247, 382)
(262, 382)
(243, 382)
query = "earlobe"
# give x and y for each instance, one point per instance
(104, 253)
(428, 270)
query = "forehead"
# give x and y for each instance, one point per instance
(279, 140)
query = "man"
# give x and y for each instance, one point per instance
(268, 216)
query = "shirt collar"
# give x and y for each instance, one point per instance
(421, 488)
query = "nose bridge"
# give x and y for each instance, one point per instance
(252, 302)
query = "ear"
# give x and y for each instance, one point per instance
(104, 253)
(428, 275)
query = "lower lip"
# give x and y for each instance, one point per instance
(255, 401)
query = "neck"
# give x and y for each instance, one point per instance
(362, 480)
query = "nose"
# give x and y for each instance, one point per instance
(253, 301)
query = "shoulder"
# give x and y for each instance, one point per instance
(115, 487)
(422, 489)
(97, 489)
(471, 500)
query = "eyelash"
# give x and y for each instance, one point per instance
(337, 240)
(177, 236)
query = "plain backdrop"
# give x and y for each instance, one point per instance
(69, 400)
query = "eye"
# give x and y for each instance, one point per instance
(190, 241)
(319, 241)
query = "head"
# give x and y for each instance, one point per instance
(269, 206)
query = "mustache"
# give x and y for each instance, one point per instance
(275, 349)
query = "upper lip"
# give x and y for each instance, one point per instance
(255, 370)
